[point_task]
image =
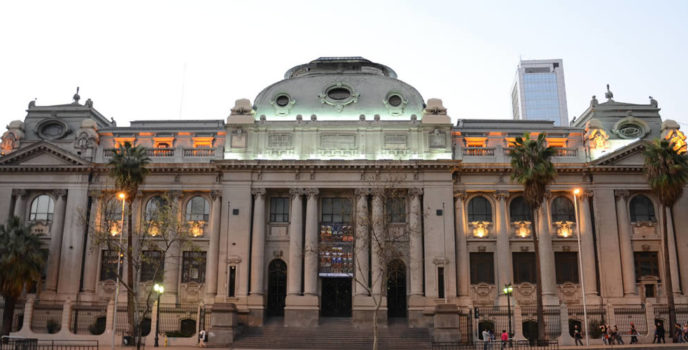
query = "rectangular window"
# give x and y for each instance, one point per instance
(279, 209)
(566, 264)
(336, 210)
(646, 264)
(524, 267)
(108, 265)
(152, 266)
(396, 210)
(193, 267)
(232, 281)
(440, 282)
(482, 268)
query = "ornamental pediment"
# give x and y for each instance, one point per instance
(42, 154)
(627, 155)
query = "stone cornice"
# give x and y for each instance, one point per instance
(337, 164)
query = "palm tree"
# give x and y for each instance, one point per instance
(667, 175)
(21, 264)
(532, 168)
(129, 170)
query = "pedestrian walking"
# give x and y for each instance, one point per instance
(505, 338)
(486, 338)
(202, 338)
(577, 335)
(659, 334)
(685, 332)
(618, 338)
(603, 332)
(634, 334)
(678, 333)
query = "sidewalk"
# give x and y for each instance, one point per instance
(479, 347)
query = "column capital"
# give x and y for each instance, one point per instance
(258, 192)
(59, 193)
(96, 194)
(312, 192)
(215, 194)
(295, 192)
(623, 194)
(548, 194)
(501, 195)
(362, 192)
(19, 192)
(586, 194)
(176, 194)
(415, 192)
(460, 194)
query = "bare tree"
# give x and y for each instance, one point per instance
(162, 235)
(382, 230)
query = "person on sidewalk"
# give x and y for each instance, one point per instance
(505, 338)
(577, 335)
(202, 338)
(634, 334)
(659, 334)
(617, 336)
(486, 338)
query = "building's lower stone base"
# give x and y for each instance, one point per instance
(301, 311)
(363, 310)
(256, 310)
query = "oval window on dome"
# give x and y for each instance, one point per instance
(394, 100)
(282, 100)
(339, 93)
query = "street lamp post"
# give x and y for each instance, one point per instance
(123, 197)
(159, 288)
(576, 193)
(508, 290)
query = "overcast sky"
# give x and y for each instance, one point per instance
(191, 60)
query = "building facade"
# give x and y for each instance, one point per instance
(289, 196)
(539, 92)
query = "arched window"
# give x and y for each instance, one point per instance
(197, 209)
(519, 210)
(114, 210)
(642, 209)
(562, 210)
(42, 208)
(153, 206)
(479, 209)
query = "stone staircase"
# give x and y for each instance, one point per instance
(333, 333)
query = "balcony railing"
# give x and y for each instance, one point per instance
(199, 152)
(160, 152)
(565, 152)
(478, 152)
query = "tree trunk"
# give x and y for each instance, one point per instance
(130, 271)
(668, 283)
(8, 315)
(538, 282)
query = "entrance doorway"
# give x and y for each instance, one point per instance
(396, 289)
(336, 297)
(277, 287)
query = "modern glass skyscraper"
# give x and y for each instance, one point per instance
(539, 92)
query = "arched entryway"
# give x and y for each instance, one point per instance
(396, 289)
(277, 287)
(530, 331)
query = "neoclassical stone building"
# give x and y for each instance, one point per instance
(283, 196)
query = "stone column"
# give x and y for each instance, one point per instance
(362, 246)
(504, 262)
(91, 262)
(549, 288)
(587, 245)
(310, 286)
(416, 242)
(625, 247)
(20, 203)
(295, 243)
(56, 231)
(378, 234)
(463, 257)
(258, 243)
(171, 272)
(211, 267)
